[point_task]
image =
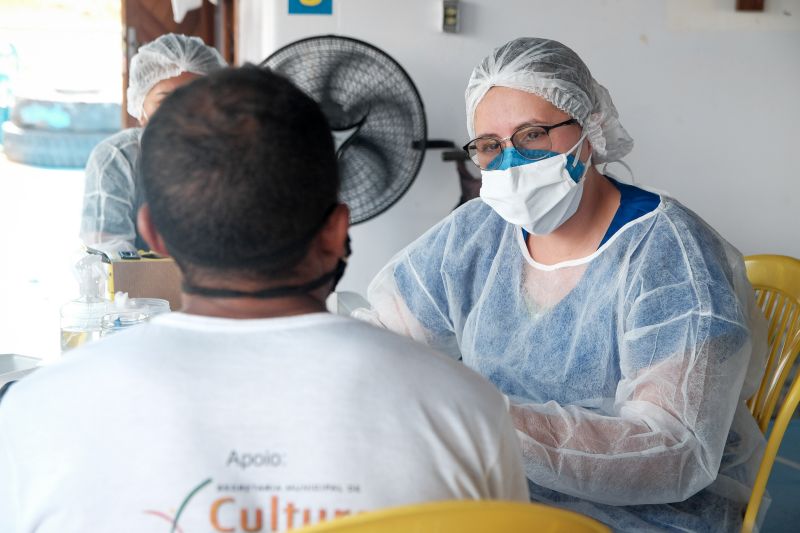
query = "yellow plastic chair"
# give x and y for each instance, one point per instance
(776, 279)
(464, 516)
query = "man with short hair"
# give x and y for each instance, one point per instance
(252, 409)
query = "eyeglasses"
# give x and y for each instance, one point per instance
(528, 140)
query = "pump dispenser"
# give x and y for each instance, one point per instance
(81, 318)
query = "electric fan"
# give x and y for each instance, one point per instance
(375, 113)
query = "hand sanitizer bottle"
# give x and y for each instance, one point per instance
(81, 318)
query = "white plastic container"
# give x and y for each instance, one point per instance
(150, 306)
(133, 312)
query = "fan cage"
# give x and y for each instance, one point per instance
(351, 79)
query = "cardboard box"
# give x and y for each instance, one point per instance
(146, 278)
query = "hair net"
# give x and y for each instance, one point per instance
(167, 57)
(554, 72)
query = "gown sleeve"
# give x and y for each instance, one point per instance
(408, 296)
(689, 338)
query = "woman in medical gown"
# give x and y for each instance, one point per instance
(619, 324)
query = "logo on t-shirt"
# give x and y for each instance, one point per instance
(262, 500)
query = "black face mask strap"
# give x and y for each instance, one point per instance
(272, 292)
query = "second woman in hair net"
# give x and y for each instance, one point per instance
(619, 324)
(112, 195)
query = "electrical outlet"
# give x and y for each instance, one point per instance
(450, 16)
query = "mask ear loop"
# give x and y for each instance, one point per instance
(624, 164)
(586, 166)
(579, 146)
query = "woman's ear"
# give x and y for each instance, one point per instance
(149, 232)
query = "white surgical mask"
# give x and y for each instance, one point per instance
(538, 195)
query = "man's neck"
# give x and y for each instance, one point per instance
(243, 308)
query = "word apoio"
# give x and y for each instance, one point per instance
(258, 459)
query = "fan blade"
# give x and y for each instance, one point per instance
(333, 69)
(338, 116)
(319, 73)
(389, 106)
(383, 160)
(387, 117)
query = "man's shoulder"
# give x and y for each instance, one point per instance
(74, 368)
(360, 336)
(376, 353)
(152, 350)
(424, 365)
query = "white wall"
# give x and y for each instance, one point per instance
(711, 97)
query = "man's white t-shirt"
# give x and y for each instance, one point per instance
(258, 425)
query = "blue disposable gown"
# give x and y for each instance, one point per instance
(112, 194)
(627, 370)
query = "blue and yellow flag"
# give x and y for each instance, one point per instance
(310, 7)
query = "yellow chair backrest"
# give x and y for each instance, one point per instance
(464, 516)
(776, 279)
